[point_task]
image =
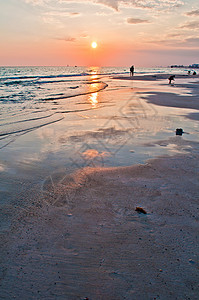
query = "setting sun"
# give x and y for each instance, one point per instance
(94, 45)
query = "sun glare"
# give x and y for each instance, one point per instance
(94, 45)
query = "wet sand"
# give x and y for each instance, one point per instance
(169, 98)
(155, 77)
(83, 237)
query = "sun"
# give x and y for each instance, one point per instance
(94, 45)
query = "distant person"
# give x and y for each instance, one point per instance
(194, 73)
(131, 70)
(172, 77)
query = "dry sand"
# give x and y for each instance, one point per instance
(85, 239)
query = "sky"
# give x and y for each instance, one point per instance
(146, 33)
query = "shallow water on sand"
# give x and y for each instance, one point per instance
(33, 97)
(115, 126)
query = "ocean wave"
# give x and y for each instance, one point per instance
(38, 77)
(55, 92)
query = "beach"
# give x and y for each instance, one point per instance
(71, 183)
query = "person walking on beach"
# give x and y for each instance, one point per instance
(131, 70)
(172, 77)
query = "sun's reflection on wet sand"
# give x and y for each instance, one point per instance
(94, 77)
(93, 99)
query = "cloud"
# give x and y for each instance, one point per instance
(194, 40)
(67, 39)
(84, 35)
(193, 13)
(57, 17)
(72, 39)
(179, 41)
(74, 14)
(35, 2)
(110, 3)
(157, 4)
(191, 25)
(172, 35)
(166, 42)
(61, 14)
(136, 21)
(115, 4)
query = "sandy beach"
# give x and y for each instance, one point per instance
(80, 236)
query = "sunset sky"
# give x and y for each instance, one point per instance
(60, 32)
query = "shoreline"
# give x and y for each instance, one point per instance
(155, 77)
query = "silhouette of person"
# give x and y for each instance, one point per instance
(131, 70)
(172, 77)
